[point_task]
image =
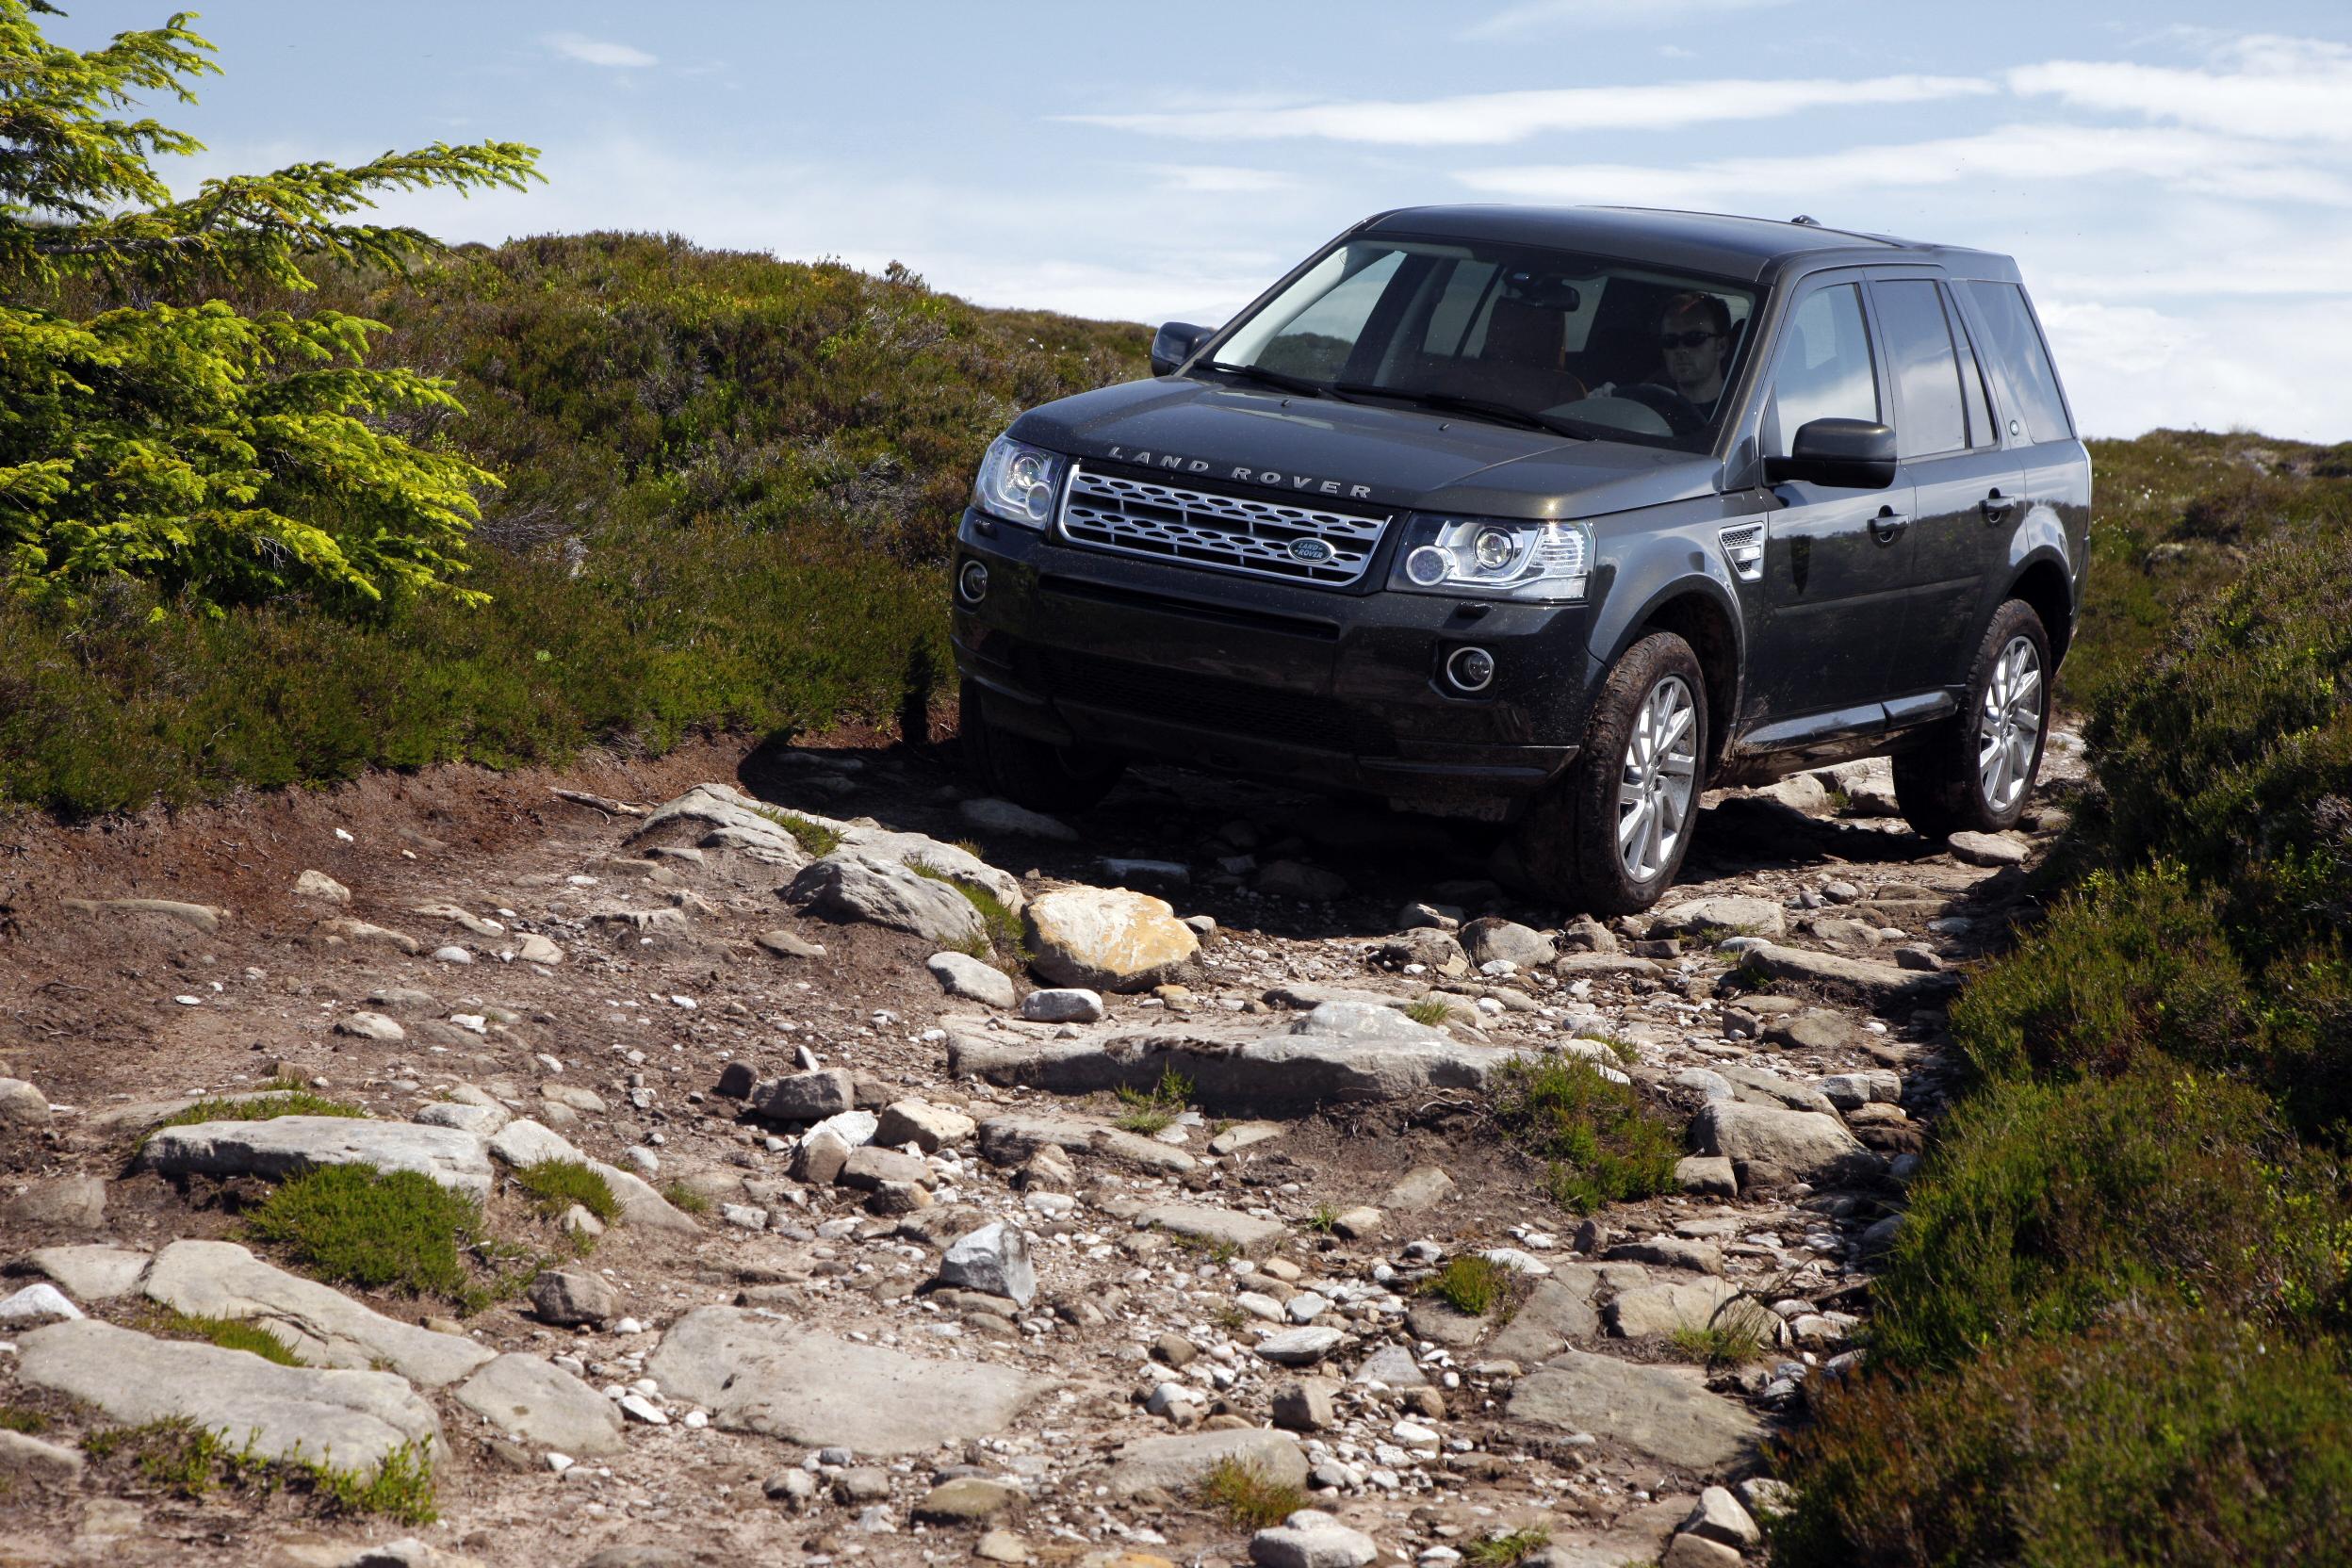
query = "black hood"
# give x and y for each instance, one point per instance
(1320, 449)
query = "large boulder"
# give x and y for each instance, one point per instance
(757, 1373)
(1108, 939)
(321, 1326)
(735, 820)
(1808, 1145)
(851, 886)
(359, 1418)
(1727, 916)
(1179, 1464)
(527, 1143)
(1492, 937)
(289, 1145)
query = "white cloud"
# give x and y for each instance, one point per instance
(597, 51)
(1538, 14)
(1495, 117)
(1221, 179)
(2285, 89)
(2008, 155)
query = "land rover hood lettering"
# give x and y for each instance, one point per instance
(1179, 464)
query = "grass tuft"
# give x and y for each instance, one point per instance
(1501, 1551)
(230, 1333)
(287, 1102)
(1428, 1010)
(555, 1185)
(19, 1418)
(1739, 1333)
(685, 1199)
(1602, 1143)
(1154, 1109)
(1477, 1286)
(814, 837)
(189, 1462)
(1004, 932)
(1246, 1498)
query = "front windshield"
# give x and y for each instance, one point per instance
(1580, 345)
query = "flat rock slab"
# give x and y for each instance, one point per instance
(92, 1273)
(1558, 1313)
(1341, 1052)
(1663, 1309)
(1248, 1235)
(197, 917)
(1721, 917)
(289, 1145)
(728, 811)
(754, 1372)
(849, 887)
(1880, 985)
(522, 1143)
(1664, 1414)
(534, 1399)
(1178, 1464)
(321, 1326)
(1011, 1139)
(352, 1420)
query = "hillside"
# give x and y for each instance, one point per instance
(728, 485)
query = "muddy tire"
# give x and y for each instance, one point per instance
(1025, 771)
(1610, 836)
(1976, 772)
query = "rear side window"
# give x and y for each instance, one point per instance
(2020, 365)
(1925, 371)
(1824, 368)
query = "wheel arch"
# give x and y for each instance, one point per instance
(1700, 611)
(2042, 584)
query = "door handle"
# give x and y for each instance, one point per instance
(1997, 507)
(1888, 525)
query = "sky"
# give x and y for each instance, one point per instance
(2179, 193)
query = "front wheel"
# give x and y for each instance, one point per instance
(1026, 770)
(1977, 771)
(1610, 837)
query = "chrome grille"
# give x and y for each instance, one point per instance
(1228, 533)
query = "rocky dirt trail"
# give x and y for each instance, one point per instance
(897, 1275)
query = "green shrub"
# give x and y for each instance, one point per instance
(2044, 1206)
(1602, 1143)
(1429, 1010)
(1502, 1551)
(555, 1185)
(2166, 1437)
(686, 1199)
(352, 1224)
(814, 837)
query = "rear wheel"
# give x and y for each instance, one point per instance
(1977, 771)
(1026, 770)
(1612, 835)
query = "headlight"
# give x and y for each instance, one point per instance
(1017, 482)
(1496, 556)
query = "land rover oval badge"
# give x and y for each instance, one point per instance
(1313, 551)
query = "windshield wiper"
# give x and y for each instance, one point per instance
(1508, 413)
(1282, 379)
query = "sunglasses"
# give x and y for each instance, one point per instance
(1690, 339)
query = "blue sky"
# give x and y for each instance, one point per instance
(2178, 194)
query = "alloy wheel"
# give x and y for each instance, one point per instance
(1656, 786)
(2009, 727)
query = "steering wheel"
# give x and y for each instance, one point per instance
(1681, 415)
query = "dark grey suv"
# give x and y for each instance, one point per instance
(1552, 518)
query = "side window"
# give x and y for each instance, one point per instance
(2029, 387)
(1925, 372)
(1317, 341)
(1982, 430)
(1824, 368)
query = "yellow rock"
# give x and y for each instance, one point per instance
(1108, 939)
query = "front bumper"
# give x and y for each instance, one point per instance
(1337, 689)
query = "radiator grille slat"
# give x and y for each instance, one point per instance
(1224, 534)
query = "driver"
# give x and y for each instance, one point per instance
(1694, 334)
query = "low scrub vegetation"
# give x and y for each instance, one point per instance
(178, 1456)
(230, 1333)
(263, 1107)
(1475, 1285)
(1156, 1109)
(1601, 1142)
(398, 1230)
(2116, 1326)
(556, 1185)
(728, 485)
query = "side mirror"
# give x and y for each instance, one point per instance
(1175, 343)
(1845, 454)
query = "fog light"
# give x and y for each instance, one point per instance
(1470, 669)
(972, 581)
(1427, 566)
